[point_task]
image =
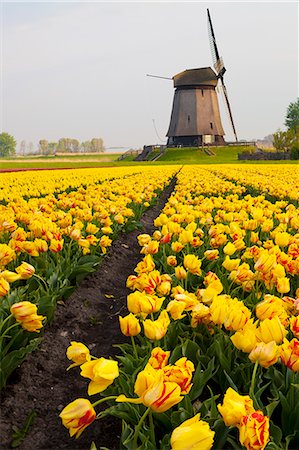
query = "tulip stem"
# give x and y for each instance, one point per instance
(134, 347)
(105, 399)
(152, 428)
(251, 390)
(41, 279)
(137, 429)
(4, 322)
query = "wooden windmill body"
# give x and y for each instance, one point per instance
(195, 118)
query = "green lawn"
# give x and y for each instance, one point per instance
(223, 155)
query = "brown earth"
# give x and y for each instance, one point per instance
(42, 384)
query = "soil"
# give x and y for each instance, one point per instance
(41, 383)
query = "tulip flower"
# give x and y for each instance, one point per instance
(192, 434)
(229, 249)
(180, 273)
(211, 255)
(9, 276)
(156, 394)
(102, 373)
(245, 339)
(159, 358)
(254, 431)
(271, 330)
(129, 325)
(175, 309)
(25, 270)
(200, 314)
(4, 286)
(171, 260)
(180, 373)
(290, 354)
(25, 314)
(142, 304)
(265, 354)
(76, 416)
(78, 353)
(234, 407)
(156, 329)
(192, 263)
(294, 326)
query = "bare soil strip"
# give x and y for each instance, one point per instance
(89, 316)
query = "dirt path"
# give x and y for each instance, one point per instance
(42, 383)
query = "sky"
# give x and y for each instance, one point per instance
(78, 69)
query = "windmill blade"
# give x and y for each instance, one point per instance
(227, 104)
(217, 61)
(157, 76)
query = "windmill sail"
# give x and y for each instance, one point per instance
(220, 70)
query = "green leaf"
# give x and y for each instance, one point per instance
(221, 433)
(275, 433)
(270, 408)
(13, 359)
(231, 383)
(201, 378)
(19, 434)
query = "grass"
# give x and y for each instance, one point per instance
(223, 155)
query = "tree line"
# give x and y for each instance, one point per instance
(69, 145)
(8, 146)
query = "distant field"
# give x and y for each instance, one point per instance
(223, 155)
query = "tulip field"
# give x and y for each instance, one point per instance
(211, 327)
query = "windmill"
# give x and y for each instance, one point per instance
(195, 117)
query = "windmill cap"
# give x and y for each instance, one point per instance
(196, 77)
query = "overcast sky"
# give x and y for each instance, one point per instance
(78, 69)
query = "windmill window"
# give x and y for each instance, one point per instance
(211, 125)
(188, 119)
(202, 92)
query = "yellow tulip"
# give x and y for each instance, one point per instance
(175, 309)
(283, 285)
(245, 338)
(78, 353)
(76, 416)
(271, 330)
(129, 325)
(192, 434)
(9, 276)
(180, 373)
(171, 261)
(192, 263)
(159, 358)
(23, 309)
(154, 392)
(254, 431)
(180, 273)
(229, 249)
(4, 286)
(290, 354)
(156, 329)
(234, 407)
(102, 372)
(265, 354)
(25, 270)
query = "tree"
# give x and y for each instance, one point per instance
(52, 146)
(85, 146)
(7, 145)
(283, 140)
(292, 117)
(44, 146)
(97, 145)
(30, 147)
(23, 147)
